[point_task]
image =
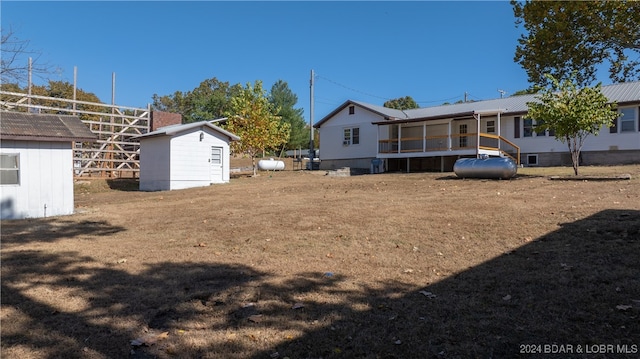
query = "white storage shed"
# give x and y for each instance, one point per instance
(36, 163)
(184, 156)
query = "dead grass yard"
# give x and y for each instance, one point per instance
(300, 265)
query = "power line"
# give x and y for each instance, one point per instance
(440, 101)
(352, 89)
(381, 97)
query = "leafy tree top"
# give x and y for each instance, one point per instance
(283, 98)
(402, 103)
(564, 38)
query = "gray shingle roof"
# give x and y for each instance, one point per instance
(43, 127)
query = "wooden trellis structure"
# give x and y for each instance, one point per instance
(115, 154)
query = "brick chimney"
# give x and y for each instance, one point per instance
(161, 119)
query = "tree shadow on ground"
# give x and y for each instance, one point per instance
(108, 303)
(53, 229)
(575, 286)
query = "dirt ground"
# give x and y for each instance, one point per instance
(297, 264)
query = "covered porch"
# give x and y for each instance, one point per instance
(466, 135)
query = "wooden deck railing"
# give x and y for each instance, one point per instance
(455, 142)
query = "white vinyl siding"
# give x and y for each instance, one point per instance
(45, 183)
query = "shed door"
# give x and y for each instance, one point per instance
(216, 164)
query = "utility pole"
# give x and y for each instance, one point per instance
(311, 146)
(465, 96)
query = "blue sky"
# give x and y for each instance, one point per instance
(365, 51)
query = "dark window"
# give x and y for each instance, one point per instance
(541, 131)
(516, 127)
(528, 127)
(628, 120)
(355, 135)
(352, 110)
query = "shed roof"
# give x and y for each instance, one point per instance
(622, 93)
(175, 129)
(25, 126)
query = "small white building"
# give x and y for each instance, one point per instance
(184, 156)
(36, 163)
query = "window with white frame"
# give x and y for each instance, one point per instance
(9, 168)
(527, 127)
(491, 126)
(463, 138)
(628, 120)
(351, 136)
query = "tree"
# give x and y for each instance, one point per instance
(63, 90)
(282, 97)
(571, 113)
(253, 118)
(14, 64)
(210, 100)
(567, 37)
(402, 103)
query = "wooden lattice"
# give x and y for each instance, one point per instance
(115, 153)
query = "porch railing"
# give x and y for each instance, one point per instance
(455, 142)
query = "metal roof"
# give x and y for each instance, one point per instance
(174, 129)
(622, 93)
(25, 126)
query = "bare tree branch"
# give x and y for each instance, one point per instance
(14, 62)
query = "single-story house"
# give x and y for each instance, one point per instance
(433, 138)
(184, 156)
(36, 163)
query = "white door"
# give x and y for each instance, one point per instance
(216, 164)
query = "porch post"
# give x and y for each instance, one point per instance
(449, 135)
(377, 140)
(399, 137)
(478, 138)
(499, 134)
(424, 137)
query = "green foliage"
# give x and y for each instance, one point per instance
(572, 113)
(531, 90)
(61, 90)
(283, 98)
(566, 37)
(210, 100)
(253, 118)
(402, 103)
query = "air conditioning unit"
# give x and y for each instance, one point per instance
(346, 143)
